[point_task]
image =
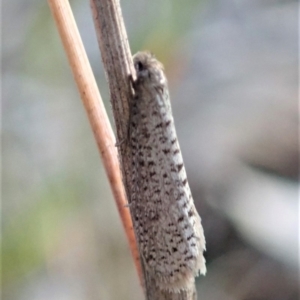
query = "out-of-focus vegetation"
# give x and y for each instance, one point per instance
(232, 71)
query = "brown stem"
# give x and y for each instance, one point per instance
(97, 116)
(117, 61)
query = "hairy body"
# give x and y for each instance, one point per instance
(167, 225)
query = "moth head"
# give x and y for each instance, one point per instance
(148, 69)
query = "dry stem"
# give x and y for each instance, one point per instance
(96, 113)
(117, 61)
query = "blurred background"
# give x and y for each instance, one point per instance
(232, 68)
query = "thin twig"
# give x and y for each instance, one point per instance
(117, 61)
(97, 116)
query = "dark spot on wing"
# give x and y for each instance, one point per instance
(176, 151)
(179, 167)
(190, 213)
(166, 151)
(180, 219)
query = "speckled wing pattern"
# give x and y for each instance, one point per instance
(167, 225)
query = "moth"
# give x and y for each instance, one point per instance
(167, 225)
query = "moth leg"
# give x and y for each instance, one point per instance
(132, 84)
(121, 142)
(132, 96)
